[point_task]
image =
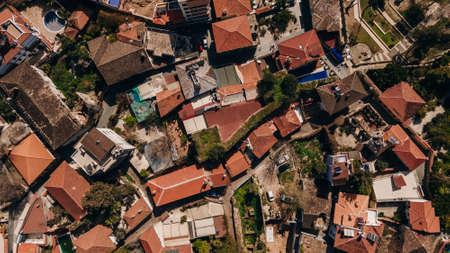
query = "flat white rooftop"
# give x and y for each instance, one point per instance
(385, 191)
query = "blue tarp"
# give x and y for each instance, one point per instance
(313, 77)
(114, 3)
(337, 55)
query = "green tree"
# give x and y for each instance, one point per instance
(153, 119)
(215, 152)
(438, 131)
(414, 15)
(360, 182)
(6, 112)
(229, 246)
(130, 121)
(265, 86)
(103, 202)
(281, 19)
(389, 76)
(201, 246)
(381, 165)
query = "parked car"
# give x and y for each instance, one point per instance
(284, 167)
(285, 199)
(205, 43)
(270, 196)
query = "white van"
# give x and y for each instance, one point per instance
(270, 196)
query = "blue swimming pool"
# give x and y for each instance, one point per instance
(313, 77)
(114, 3)
(53, 22)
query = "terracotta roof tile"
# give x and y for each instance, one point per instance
(80, 16)
(262, 139)
(95, 240)
(35, 221)
(423, 218)
(225, 8)
(410, 154)
(237, 164)
(228, 119)
(349, 207)
(180, 184)
(136, 214)
(31, 158)
(219, 177)
(399, 181)
(251, 72)
(406, 150)
(288, 122)
(28, 248)
(231, 34)
(131, 32)
(168, 100)
(300, 49)
(68, 188)
(356, 244)
(402, 100)
(71, 32)
(151, 243)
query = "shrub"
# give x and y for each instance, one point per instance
(130, 121)
(183, 219)
(201, 246)
(153, 119)
(144, 173)
(381, 165)
(215, 152)
(6, 112)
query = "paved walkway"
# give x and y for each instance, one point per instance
(108, 110)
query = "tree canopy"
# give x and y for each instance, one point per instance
(103, 202)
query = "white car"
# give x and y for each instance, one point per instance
(270, 196)
(205, 43)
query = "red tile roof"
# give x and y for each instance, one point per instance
(168, 100)
(226, 8)
(68, 188)
(95, 240)
(423, 218)
(151, 243)
(228, 119)
(237, 164)
(399, 181)
(406, 150)
(402, 100)
(136, 214)
(410, 154)
(35, 221)
(288, 122)
(31, 158)
(251, 71)
(29, 248)
(132, 31)
(356, 244)
(71, 32)
(300, 49)
(262, 139)
(231, 34)
(80, 17)
(219, 177)
(349, 207)
(180, 184)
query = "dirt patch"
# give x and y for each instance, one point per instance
(313, 203)
(177, 139)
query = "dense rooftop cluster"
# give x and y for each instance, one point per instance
(221, 126)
